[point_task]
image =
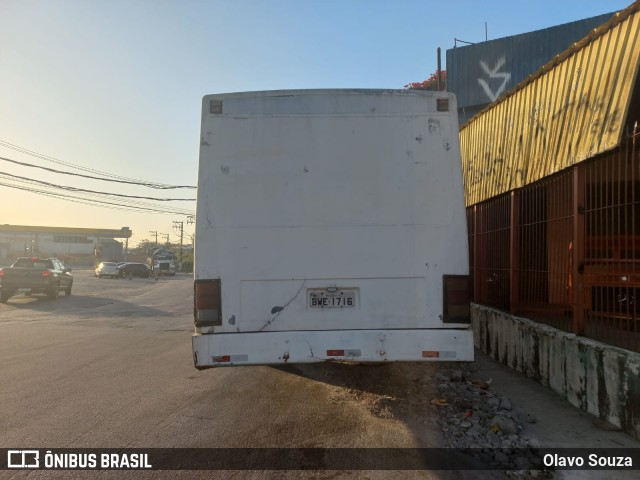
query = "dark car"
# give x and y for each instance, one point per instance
(35, 275)
(134, 270)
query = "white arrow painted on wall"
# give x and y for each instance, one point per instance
(494, 73)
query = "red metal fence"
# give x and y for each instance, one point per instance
(565, 251)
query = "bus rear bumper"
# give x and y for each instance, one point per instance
(273, 348)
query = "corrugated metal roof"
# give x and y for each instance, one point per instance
(570, 110)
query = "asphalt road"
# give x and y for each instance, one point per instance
(110, 366)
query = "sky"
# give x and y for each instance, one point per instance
(113, 88)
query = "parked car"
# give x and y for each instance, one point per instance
(107, 269)
(135, 270)
(35, 275)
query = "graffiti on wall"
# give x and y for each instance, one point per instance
(549, 137)
(494, 73)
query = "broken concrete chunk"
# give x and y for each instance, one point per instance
(505, 425)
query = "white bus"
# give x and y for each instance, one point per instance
(330, 225)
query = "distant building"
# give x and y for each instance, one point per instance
(71, 245)
(480, 73)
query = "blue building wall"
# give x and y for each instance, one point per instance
(478, 74)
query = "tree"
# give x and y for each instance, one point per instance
(144, 247)
(430, 83)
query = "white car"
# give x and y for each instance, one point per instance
(107, 269)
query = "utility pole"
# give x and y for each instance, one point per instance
(191, 219)
(166, 235)
(156, 234)
(179, 226)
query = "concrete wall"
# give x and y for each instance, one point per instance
(595, 377)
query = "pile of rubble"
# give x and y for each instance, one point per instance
(472, 417)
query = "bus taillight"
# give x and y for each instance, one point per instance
(456, 299)
(207, 303)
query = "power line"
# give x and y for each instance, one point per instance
(100, 202)
(96, 197)
(144, 184)
(97, 203)
(75, 189)
(126, 203)
(71, 165)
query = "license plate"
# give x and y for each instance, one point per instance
(331, 299)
